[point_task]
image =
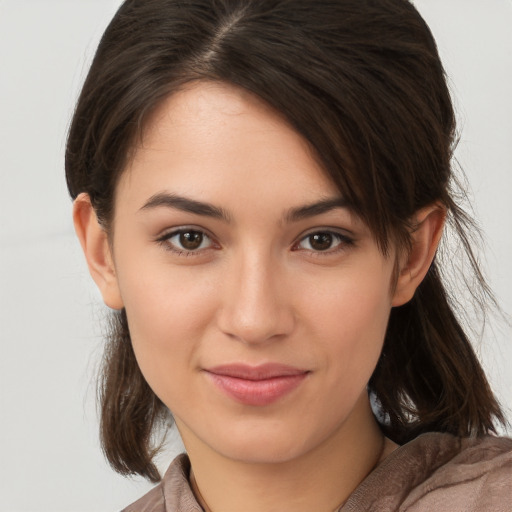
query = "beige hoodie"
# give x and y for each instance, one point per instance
(433, 473)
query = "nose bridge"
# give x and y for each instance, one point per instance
(256, 306)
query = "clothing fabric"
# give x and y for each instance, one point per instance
(433, 473)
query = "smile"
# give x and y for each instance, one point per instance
(257, 386)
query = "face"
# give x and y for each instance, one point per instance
(257, 301)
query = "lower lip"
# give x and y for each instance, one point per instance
(257, 392)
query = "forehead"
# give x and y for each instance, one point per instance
(211, 138)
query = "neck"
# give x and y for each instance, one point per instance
(326, 475)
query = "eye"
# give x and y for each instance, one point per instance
(323, 241)
(186, 240)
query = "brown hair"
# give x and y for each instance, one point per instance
(362, 81)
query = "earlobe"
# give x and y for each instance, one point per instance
(425, 237)
(95, 245)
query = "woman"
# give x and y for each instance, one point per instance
(260, 189)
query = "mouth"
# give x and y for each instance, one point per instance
(256, 385)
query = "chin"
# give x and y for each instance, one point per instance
(266, 442)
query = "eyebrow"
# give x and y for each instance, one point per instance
(185, 204)
(313, 209)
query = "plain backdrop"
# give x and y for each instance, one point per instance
(50, 313)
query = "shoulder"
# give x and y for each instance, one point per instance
(153, 501)
(172, 494)
(440, 472)
(477, 477)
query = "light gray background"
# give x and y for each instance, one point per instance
(50, 313)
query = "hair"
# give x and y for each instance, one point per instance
(362, 82)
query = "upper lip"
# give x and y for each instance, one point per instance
(260, 372)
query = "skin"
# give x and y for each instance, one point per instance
(258, 288)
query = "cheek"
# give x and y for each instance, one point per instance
(167, 315)
(349, 316)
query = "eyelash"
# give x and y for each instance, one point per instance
(165, 241)
(343, 242)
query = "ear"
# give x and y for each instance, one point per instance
(97, 251)
(428, 228)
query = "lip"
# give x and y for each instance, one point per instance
(256, 385)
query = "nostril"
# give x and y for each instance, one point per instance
(256, 325)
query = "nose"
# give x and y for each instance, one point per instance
(256, 304)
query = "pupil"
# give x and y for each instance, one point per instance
(191, 240)
(321, 241)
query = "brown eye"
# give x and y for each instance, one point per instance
(320, 241)
(191, 240)
(186, 241)
(324, 241)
